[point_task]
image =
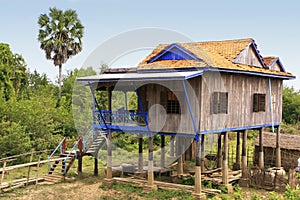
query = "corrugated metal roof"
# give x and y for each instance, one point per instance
(121, 77)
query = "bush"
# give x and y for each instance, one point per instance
(292, 194)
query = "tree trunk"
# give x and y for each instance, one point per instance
(59, 84)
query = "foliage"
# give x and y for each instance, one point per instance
(13, 139)
(291, 105)
(60, 36)
(13, 76)
(255, 197)
(292, 194)
(237, 192)
(274, 196)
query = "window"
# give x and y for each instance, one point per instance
(219, 102)
(259, 102)
(170, 102)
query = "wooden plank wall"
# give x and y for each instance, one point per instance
(240, 90)
(174, 123)
(249, 57)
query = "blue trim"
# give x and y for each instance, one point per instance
(139, 130)
(251, 73)
(172, 69)
(189, 55)
(239, 128)
(209, 68)
(98, 107)
(191, 111)
(193, 75)
(258, 54)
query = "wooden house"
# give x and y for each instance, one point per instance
(290, 150)
(199, 88)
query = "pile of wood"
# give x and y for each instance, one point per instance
(215, 176)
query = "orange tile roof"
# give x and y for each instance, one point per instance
(217, 54)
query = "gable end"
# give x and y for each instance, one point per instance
(250, 56)
(174, 52)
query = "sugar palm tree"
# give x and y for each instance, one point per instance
(60, 36)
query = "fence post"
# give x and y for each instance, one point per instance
(28, 172)
(3, 172)
(37, 172)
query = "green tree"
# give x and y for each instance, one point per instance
(291, 105)
(13, 75)
(60, 36)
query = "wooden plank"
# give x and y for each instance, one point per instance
(32, 164)
(164, 185)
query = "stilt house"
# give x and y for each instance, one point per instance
(193, 89)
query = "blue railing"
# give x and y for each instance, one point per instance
(121, 117)
(52, 154)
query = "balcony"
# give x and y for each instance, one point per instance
(121, 120)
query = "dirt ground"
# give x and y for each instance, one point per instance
(73, 190)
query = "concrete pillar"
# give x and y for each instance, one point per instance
(244, 154)
(261, 150)
(162, 155)
(225, 160)
(219, 153)
(278, 153)
(140, 161)
(198, 190)
(150, 184)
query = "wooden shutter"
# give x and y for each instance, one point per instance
(262, 102)
(223, 102)
(215, 102)
(255, 102)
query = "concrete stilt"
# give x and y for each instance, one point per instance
(261, 150)
(278, 152)
(244, 179)
(198, 191)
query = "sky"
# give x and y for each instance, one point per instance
(273, 24)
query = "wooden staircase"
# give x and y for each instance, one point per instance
(65, 163)
(96, 144)
(89, 145)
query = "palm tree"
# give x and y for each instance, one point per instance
(60, 36)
